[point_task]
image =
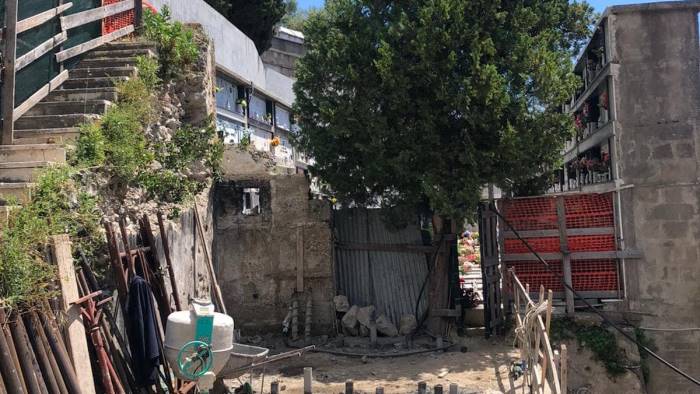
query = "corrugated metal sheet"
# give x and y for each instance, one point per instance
(391, 281)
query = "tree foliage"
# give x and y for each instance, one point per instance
(255, 18)
(295, 17)
(428, 100)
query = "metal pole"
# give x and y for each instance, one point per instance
(8, 83)
(138, 14)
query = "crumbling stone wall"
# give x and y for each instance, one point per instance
(657, 108)
(262, 258)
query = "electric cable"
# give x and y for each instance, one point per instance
(677, 370)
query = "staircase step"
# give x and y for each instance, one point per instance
(107, 62)
(109, 94)
(70, 107)
(87, 83)
(119, 45)
(119, 53)
(21, 191)
(26, 171)
(101, 72)
(61, 134)
(38, 140)
(96, 107)
(33, 152)
(53, 121)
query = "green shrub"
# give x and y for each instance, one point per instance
(601, 342)
(148, 71)
(90, 147)
(57, 206)
(175, 42)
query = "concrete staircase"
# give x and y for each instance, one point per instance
(43, 132)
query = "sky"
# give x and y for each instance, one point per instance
(598, 4)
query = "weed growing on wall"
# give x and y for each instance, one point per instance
(58, 206)
(601, 342)
(175, 42)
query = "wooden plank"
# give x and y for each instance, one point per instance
(566, 256)
(92, 44)
(41, 18)
(40, 94)
(300, 259)
(564, 369)
(8, 83)
(95, 14)
(555, 233)
(549, 355)
(75, 331)
(40, 50)
(619, 254)
(207, 258)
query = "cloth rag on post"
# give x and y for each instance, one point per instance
(143, 337)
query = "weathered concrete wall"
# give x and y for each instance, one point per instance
(283, 55)
(261, 258)
(658, 92)
(186, 250)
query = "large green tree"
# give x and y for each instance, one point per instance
(426, 101)
(255, 18)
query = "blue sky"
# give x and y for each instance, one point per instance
(598, 4)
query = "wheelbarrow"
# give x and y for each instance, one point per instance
(245, 358)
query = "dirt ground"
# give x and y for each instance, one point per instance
(482, 368)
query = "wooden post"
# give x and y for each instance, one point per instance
(454, 388)
(138, 13)
(563, 368)
(379, 390)
(166, 252)
(275, 387)
(8, 84)
(300, 259)
(437, 389)
(548, 317)
(349, 387)
(308, 380)
(422, 388)
(566, 256)
(75, 330)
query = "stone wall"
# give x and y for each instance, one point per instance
(262, 258)
(658, 91)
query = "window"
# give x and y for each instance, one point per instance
(251, 201)
(226, 94)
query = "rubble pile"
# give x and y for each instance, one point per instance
(367, 321)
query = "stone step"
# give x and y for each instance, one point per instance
(53, 121)
(120, 45)
(106, 62)
(120, 53)
(58, 140)
(101, 72)
(33, 152)
(25, 171)
(87, 83)
(61, 134)
(21, 192)
(109, 94)
(69, 107)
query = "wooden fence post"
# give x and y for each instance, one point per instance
(78, 349)
(308, 380)
(8, 83)
(566, 256)
(138, 13)
(563, 368)
(349, 387)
